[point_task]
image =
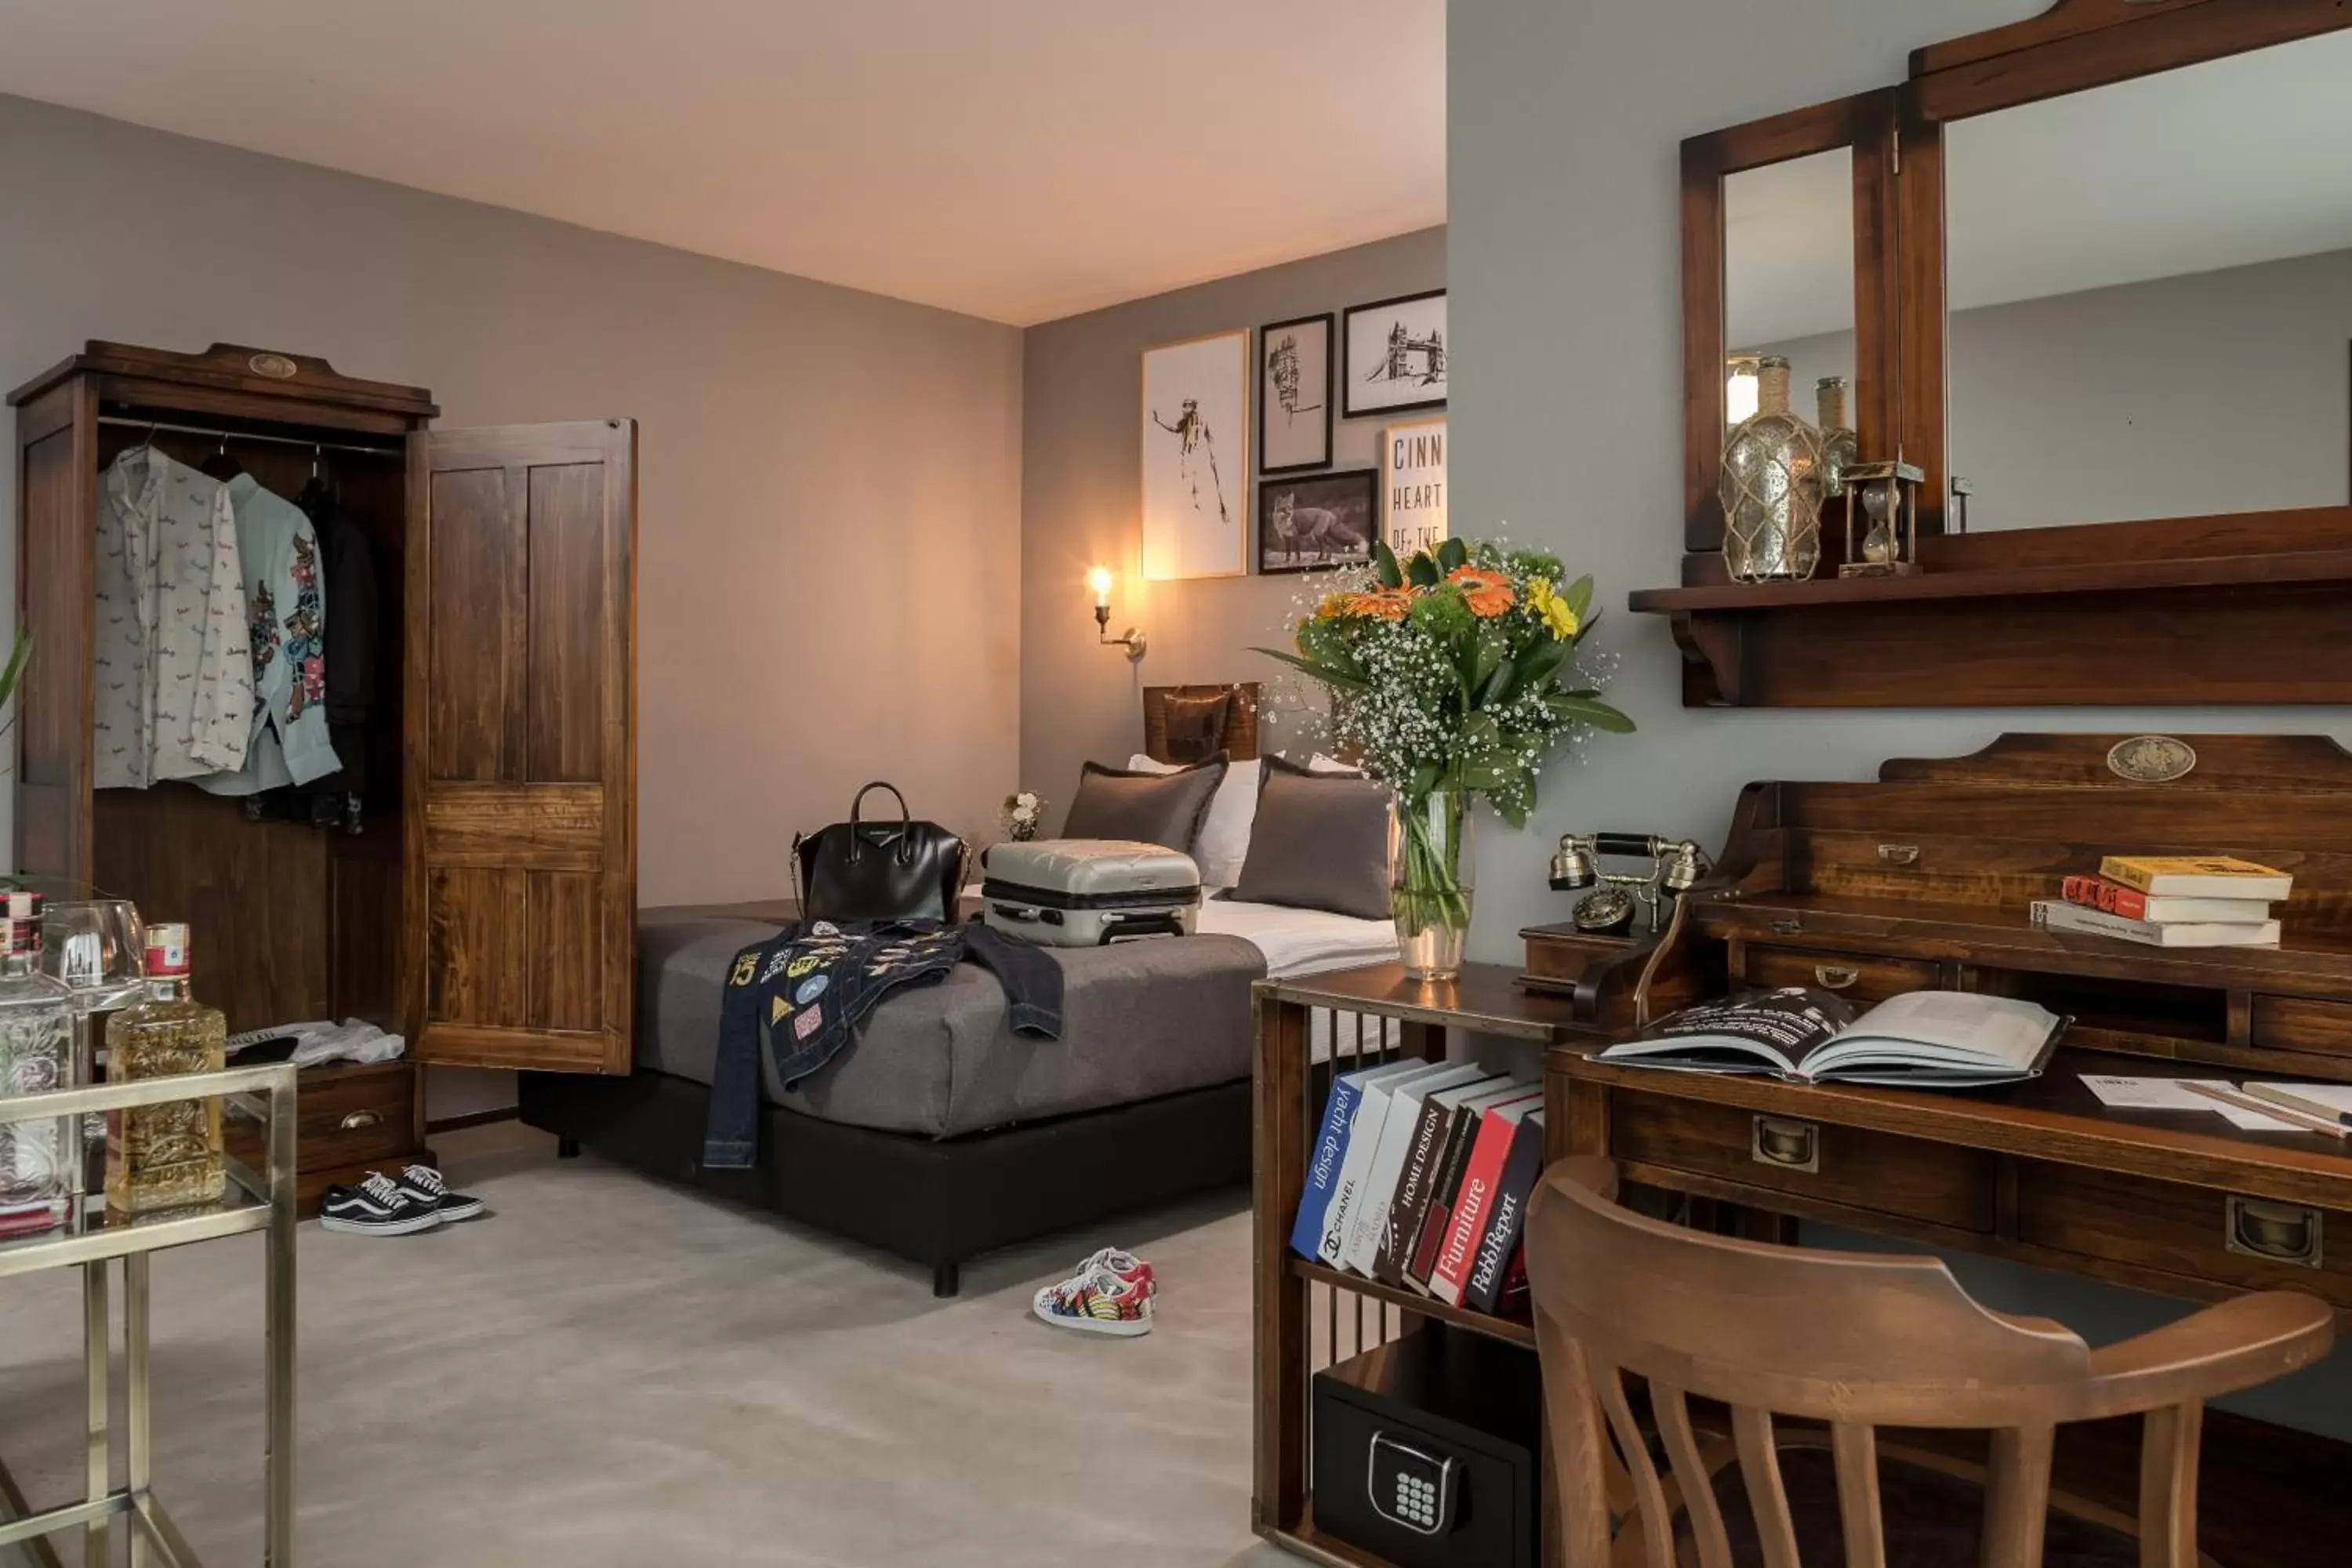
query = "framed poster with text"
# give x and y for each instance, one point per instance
(1412, 485)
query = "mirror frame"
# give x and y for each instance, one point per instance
(1865, 125)
(2074, 47)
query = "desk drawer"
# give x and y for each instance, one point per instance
(1880, 1171)
(344, 1116)
(1852, 975)
(2303, 1024)
(2199, 1232)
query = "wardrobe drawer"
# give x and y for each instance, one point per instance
(2225, 1239)
(1880, 1171)
(344, 1116)
(2303, 1024)
(1853, 976)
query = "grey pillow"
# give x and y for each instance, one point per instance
(1166, 809)
(1320, 842)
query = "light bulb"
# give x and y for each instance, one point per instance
(1099, 581)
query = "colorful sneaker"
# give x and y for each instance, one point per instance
(1127, 1266)
(1099, 1302)
(423, 1184)
(376, 1206)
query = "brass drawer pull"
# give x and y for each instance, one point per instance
(358, 1119)
(1832, 978)
(2284, 1233)
(1899, 854)
(1791, 1145)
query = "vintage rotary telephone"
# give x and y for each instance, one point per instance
(1675, 867)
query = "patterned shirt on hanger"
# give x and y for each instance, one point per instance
(288, 633)
(172, 666)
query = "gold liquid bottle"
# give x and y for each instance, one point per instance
(165, 1156)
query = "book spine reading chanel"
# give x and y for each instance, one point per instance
(1363, 1141)
(1490, 1266)
(1323, 1166)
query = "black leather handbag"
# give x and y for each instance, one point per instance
(859, 870)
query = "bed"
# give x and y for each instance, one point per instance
(941, 1135)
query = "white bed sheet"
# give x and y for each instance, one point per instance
(1300, 942)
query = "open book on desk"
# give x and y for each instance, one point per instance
(1922, 1039)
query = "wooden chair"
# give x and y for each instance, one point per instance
(1855, 1341)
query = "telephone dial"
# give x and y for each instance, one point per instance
(1677, 865)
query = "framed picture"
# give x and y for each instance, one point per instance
(1396, 354)
(1412, 485)
(1196, 457)
(1318, 523)
(1294, 395)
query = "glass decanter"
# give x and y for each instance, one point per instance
(1841, 447)
(39, 1160)
(165, 1157)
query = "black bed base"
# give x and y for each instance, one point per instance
(934, 1201)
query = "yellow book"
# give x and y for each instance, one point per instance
(2211, 875)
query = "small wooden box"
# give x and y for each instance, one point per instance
(350, 1118)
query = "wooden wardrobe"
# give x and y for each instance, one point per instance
(486, 911)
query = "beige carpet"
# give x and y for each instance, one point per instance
(608, 1370)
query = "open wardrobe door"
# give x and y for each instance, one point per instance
(521, 773)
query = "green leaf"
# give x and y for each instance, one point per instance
(1579, 595)
(1420, 570)
(1539, 665)
(1384, 562)
(1424, 779)
(1452, 554)
(1589, 710)
(1324, 673)
(1492, 690)
(18, 658)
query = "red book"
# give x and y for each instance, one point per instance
(1480, 1178)
(2112, 898)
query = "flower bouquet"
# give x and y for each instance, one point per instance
(1448, 677)
(1022, 811)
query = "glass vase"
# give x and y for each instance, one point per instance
(1772, 486)
(1431, 879)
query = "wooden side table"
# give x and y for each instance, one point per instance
(92, 1241)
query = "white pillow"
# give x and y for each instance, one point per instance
(1320, 764)
(1225, 835)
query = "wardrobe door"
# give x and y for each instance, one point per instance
(518, 947)
(56, 530)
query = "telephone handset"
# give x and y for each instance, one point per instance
(1677, 865)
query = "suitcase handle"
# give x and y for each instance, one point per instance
(1116, 928)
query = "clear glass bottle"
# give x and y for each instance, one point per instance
(1841, 447)
(165, 1157)
(1771, 487)
(39, 1160)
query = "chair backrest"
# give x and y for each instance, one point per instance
(1856, 1341)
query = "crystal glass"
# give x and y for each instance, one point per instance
(96, 948)
(1772, 486)
(1430, 882)
(40, 1161)
(165, 1157)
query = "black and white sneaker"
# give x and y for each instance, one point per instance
(424, 1184)
(377, 1206)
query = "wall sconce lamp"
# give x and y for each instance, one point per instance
(1100, 580)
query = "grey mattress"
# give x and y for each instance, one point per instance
(1139, 1020)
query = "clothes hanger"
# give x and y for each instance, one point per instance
(220, 464)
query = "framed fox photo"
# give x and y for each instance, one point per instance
(1318, 521)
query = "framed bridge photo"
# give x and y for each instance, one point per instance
(1395, 354)
(1318, 521)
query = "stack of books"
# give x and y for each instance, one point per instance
(1420, 1178)
(2172, 901)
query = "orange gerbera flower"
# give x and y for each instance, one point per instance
(1489, 592)
(1386, 605)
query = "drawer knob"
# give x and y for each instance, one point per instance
(358, 1119)
(1830, 978)
(2284, 1233)
(1788, 1145)
(1899, 854)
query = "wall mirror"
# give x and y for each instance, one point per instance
(1787, 281)
(2148, 294)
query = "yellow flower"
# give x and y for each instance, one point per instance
(1334, 607)
(1551, 608)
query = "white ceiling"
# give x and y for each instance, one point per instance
(2237, 160)
(1019, 160)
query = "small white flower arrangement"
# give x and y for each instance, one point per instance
(1021, 814)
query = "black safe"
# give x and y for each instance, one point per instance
(1427, 1451)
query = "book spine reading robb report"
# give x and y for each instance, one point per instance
(1490, 1266)
(1323, 1166)
(1471, 1209)
(1418, 1181)
(1459, 1132)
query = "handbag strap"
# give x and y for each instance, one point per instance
(906, 819)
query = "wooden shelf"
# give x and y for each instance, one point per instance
(2229, 610)
(1412, 1302)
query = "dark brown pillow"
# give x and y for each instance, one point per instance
(1196, 725)
(1320, 842)
(1166, 809)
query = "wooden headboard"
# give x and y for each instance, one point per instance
(1237, 741)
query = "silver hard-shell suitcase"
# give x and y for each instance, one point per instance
(1086, 892)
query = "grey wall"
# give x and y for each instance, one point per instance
(2212, 391)
(1081, 497)
(1563, 125)
(829, 527)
